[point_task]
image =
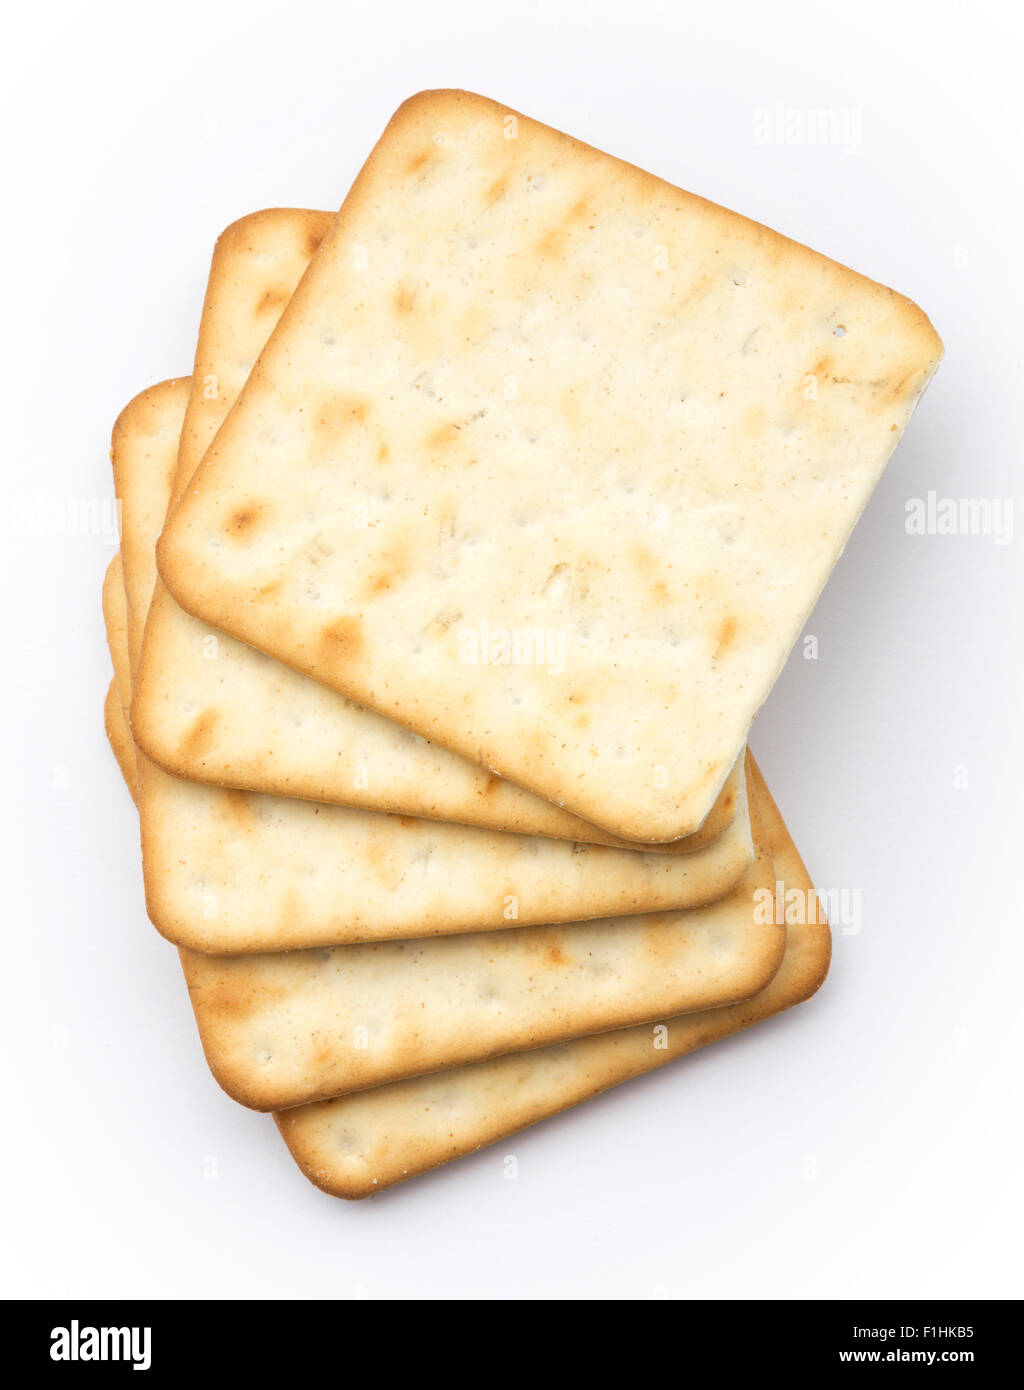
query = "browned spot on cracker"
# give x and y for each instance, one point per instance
(230, 999)
(270, 589)
(381, 859)
(344, 638)
(376, 855)
(323, 1057)
(404, 300)
(443, 436)
(391, 569)
(641, 556)
(380, 583)
(340, 413)
(897, 386)
(244, 519)
(226, 1001)
(336, 417)
(726, 633)
(197, 740)
(238, 808)
(551, 245)
(496, 191)
(272, 300)
(650, 567)
(419, 161)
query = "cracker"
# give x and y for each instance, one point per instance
(290, 1027)
(525, 387)
(362, 1143)
(229, 871)
(220, 713)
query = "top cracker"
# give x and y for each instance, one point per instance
(549, 460)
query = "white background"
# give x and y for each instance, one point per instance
(866, 1144)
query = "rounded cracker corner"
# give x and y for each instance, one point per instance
(243, 228)
(147, 731)
(918, 323)
(433, 99)
(765, 971)
(168, 558)
(348, 1188)
(148, 397)
(171, 925)
(231, 1081)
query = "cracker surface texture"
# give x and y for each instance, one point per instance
(525, 388)
(236, 872)
(360, 1144)
(210, 708)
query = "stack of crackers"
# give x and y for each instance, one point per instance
(450, 582)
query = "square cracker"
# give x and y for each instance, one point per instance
(360, 1144)
(229, 871)
(525, 387)
(242, 721)
(290, 1027)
